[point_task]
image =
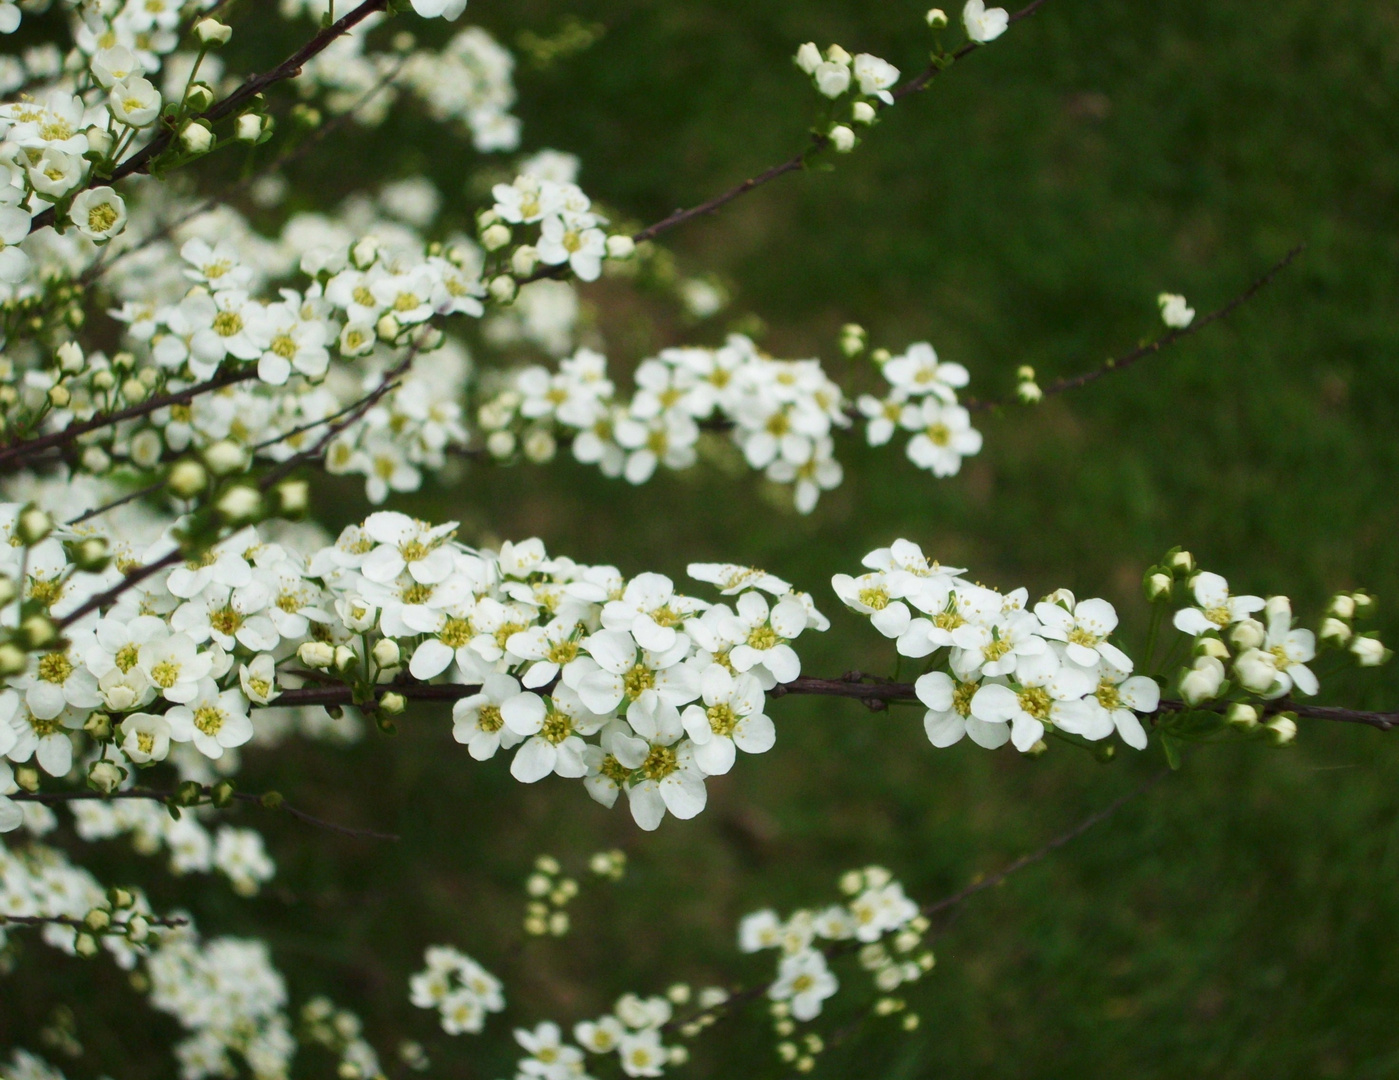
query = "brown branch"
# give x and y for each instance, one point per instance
(51, 797)
(1120, 363)
(875, 694)
(289, 68)
(79, 924)
(150, 405)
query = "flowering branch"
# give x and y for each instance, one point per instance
(81, 924)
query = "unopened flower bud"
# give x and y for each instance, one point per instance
(316, 654)
(427, 338)
(539, 446)
(1335, 633)
(225, 457)
(1369, 651)
(99, 140)
(27, 777)
(95, 459)
(386, 653)
(187, 479)
(293, 497)
(364, 252)
(936, 18)
(1282, 730)
(524, 259)
(135, 391)
(1248, 634)
(620, 246)
(503, 289)
(862, 113)
(33, 525)
(91, 555)
(240, 503)
(346, 659)
(98, 725)
(8, 590)
(393, 703)
(70, 357)
(808, 57)
(38, 631)
(388, 327)
(842, 138)
(1364, 604)
(1211, 646)
(1182, 562)
(1202, 682)
(836, 55)
(138, 929)
(852, 339)
(1244, 717)
(97, 919)
(212, 33)
(85, 945)
(1257, 671)
(1342, 606)
(495, 237)
(500, 444)
(196, 136)
(881, 357)
(1029, 392)
(13, 659)
(248, 127)
(60, 396)
(120, 898)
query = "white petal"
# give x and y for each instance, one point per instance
(533, 761)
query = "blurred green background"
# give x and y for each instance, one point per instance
(1239, 921)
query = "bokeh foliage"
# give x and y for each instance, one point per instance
(1236, 922)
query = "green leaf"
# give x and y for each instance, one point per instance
(1172, 749)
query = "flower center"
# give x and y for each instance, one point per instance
(638, 680)
(55, 668)
(1080, 636)
(876, 597)
(284, 346)
(1036, 701)
(938, 434)
(659, 763)
(417, 593)
(997, 649)
(456, 633)
(165, 674)
(125, 658)
(104, 215)
(722, 720)
(228, 323)
(564, 652)
(962, 698)
(1107, 695)
(209, 719)
(489, 719)
(557, 727)
(1218, 615)
(763, 638)
(226, 621)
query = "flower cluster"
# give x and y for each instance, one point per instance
(780, 413)
(1012, 673)
(626, 684)
(922, 399)
(877, 908)
(340, 1032)
(460, 989)
(835, 72)
(1247, 651)
(569, 230)
(229, 997)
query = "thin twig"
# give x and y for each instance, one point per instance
(79, 924)
(1125, 361)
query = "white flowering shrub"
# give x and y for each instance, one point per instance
(173, 378)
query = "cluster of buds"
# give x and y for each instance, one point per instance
(550, 894)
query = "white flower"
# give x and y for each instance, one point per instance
(56, 173)
(760, 930)
(731, 717)
(1114, 705)
(1202, 681)
(614, 669)
(574, 239)
(11, 815)
(1175, 313)
(984, 25)
(479, 721)
(642, 1054)
(550, 1057)
(805, 981)
(14, 227)
(763, 633)
(46, 740)
(949, 715)
(213, 720)
(876, 76)
(832, 78)
(944, 436)
(670, 778)
(145, 737)
(1044, 685)
(1280, 665)
(871, 595)
(554, 743)
(650, 609)
(1085, 631)
(135, 102)
(1218, 610)
(600, 1036)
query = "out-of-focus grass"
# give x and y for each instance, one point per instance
(1237, 921)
